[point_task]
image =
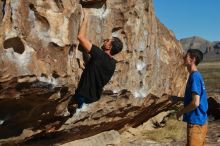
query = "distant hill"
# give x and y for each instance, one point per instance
(211, 50)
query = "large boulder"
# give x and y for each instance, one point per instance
(41, 64)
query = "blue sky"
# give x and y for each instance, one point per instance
(190, 17)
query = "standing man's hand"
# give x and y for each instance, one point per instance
(179, 114)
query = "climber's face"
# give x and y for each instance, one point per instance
(107, 44)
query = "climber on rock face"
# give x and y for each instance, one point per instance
(98, 70)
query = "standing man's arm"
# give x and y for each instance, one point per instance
(191, 106)
(86, 44)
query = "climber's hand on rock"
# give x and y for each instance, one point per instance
(85, 12)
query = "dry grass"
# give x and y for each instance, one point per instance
(211, 74)
(174, 130)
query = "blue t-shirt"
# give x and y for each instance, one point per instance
(195, 84)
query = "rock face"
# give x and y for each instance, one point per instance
(41, 64)
(211, 50)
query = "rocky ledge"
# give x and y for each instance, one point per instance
(41, 65)
(29, 116)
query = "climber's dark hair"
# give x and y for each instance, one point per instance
(117, 46)
(197, 54)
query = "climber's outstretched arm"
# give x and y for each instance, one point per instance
(86, 44)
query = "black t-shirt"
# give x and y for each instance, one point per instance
(98, 71)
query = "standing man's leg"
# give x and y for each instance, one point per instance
(196, 134)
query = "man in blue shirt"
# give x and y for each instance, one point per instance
(195, 106)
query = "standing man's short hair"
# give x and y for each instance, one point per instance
(117, 46)
(197, 54)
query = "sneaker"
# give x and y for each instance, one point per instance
(83, 108)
